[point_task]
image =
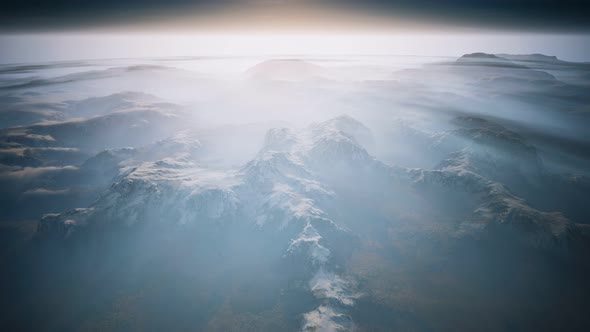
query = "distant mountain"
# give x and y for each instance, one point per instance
(484, 59)
(127, 128)
(531, 58)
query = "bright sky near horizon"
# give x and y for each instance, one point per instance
(36, 47)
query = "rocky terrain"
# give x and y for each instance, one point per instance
(428, 201)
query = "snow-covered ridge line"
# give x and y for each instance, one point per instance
(285, 190)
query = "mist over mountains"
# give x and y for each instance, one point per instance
(301, 193)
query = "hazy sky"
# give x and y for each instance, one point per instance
(539, 15)
(33, 30)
